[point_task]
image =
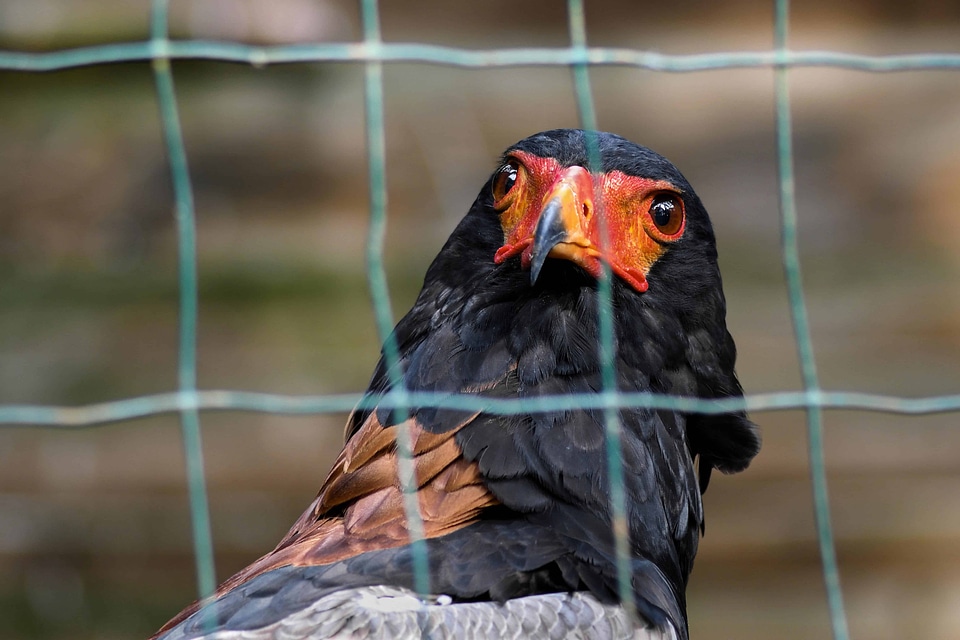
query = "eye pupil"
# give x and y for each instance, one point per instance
(666, 211)
(662, 211)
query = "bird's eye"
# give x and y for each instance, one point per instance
(666, 211)
(505, 180)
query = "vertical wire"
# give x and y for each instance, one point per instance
(801, 327)
(187, 259)
(380, 294)
(611, 416)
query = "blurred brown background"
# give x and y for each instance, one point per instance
(94, 529)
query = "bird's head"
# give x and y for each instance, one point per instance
(553, 207)
(547, 205)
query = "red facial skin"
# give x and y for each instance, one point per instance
(590, 202)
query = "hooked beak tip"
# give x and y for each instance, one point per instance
(536, 264)
(550, 231)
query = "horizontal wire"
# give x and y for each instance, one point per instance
(226, 400)
(488, 58)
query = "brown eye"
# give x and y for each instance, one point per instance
(666, 211)
(504, 180)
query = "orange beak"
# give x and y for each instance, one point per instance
(566, 224)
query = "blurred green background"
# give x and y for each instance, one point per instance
(94, 529)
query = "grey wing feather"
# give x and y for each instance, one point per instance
(374, 613)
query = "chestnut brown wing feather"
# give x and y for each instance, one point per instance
(360, 505)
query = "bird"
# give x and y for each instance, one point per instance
(516, 509)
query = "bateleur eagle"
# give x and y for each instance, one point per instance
(516, 508)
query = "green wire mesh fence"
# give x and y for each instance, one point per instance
(188, 401)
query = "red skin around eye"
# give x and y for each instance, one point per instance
(616, 199)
